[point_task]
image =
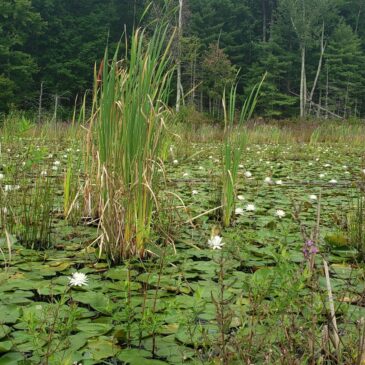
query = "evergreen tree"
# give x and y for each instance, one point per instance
(344, 88)
(18, 21)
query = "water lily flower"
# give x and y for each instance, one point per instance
(248, 174)
(185, 174)
(194, 192)
(313, 197)
(57, 163)
(175, 162)
(11, 187)
(78, 279)
(250, 207)
(333, 181)
(363, 171)
(238, 211)
(280, 213)
(216, 243)
(2, 176)
(44, 173)
(322, 175)
(268, 180)
(279, 182)
(240, 197)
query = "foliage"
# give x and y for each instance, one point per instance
(126, 130)
(234, 140)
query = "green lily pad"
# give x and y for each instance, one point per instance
(5, 346)
(102, 349)
(4, 330)
(11, 358)
(97, 301)
(9, 313)
(91, 329)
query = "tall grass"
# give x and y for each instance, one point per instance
(234, 140)
(356, 226)
(125, 135)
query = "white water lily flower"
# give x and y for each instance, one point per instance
(322, 175)
(248, 174)
(250, 207)
(185, 174)
(279, 182)
(327, 165)
(201, 168)
(241, 166)
(240, 197)
(78, 279)
(238, 211)
(333, 181)
(2, 176)
(44, 173)
(268, 180)
(57, 163)
(11, 187)
(363, 171)
(175, 162)
(280, 213)
(313, 197)
(194, 192)
(216, 243)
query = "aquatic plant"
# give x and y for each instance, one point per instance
(125, 136)
(234, 140)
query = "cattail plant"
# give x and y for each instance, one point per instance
(234, 140)
(125, 135)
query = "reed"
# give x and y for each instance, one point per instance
(125, 137)
(234, 140)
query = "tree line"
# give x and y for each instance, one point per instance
(312, 50)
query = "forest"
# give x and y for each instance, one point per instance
(313, 51)
(182, 182)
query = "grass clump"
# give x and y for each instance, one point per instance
(125, 136)
(234, 140)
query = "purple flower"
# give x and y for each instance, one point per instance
(309, 249)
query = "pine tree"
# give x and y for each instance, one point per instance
(18, 21)
(346, 76)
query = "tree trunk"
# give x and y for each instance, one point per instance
(319, 68)
(194, 78)
(178, 61)
(264, 20)
(40, 104)
(327, 91)
(303, 87)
